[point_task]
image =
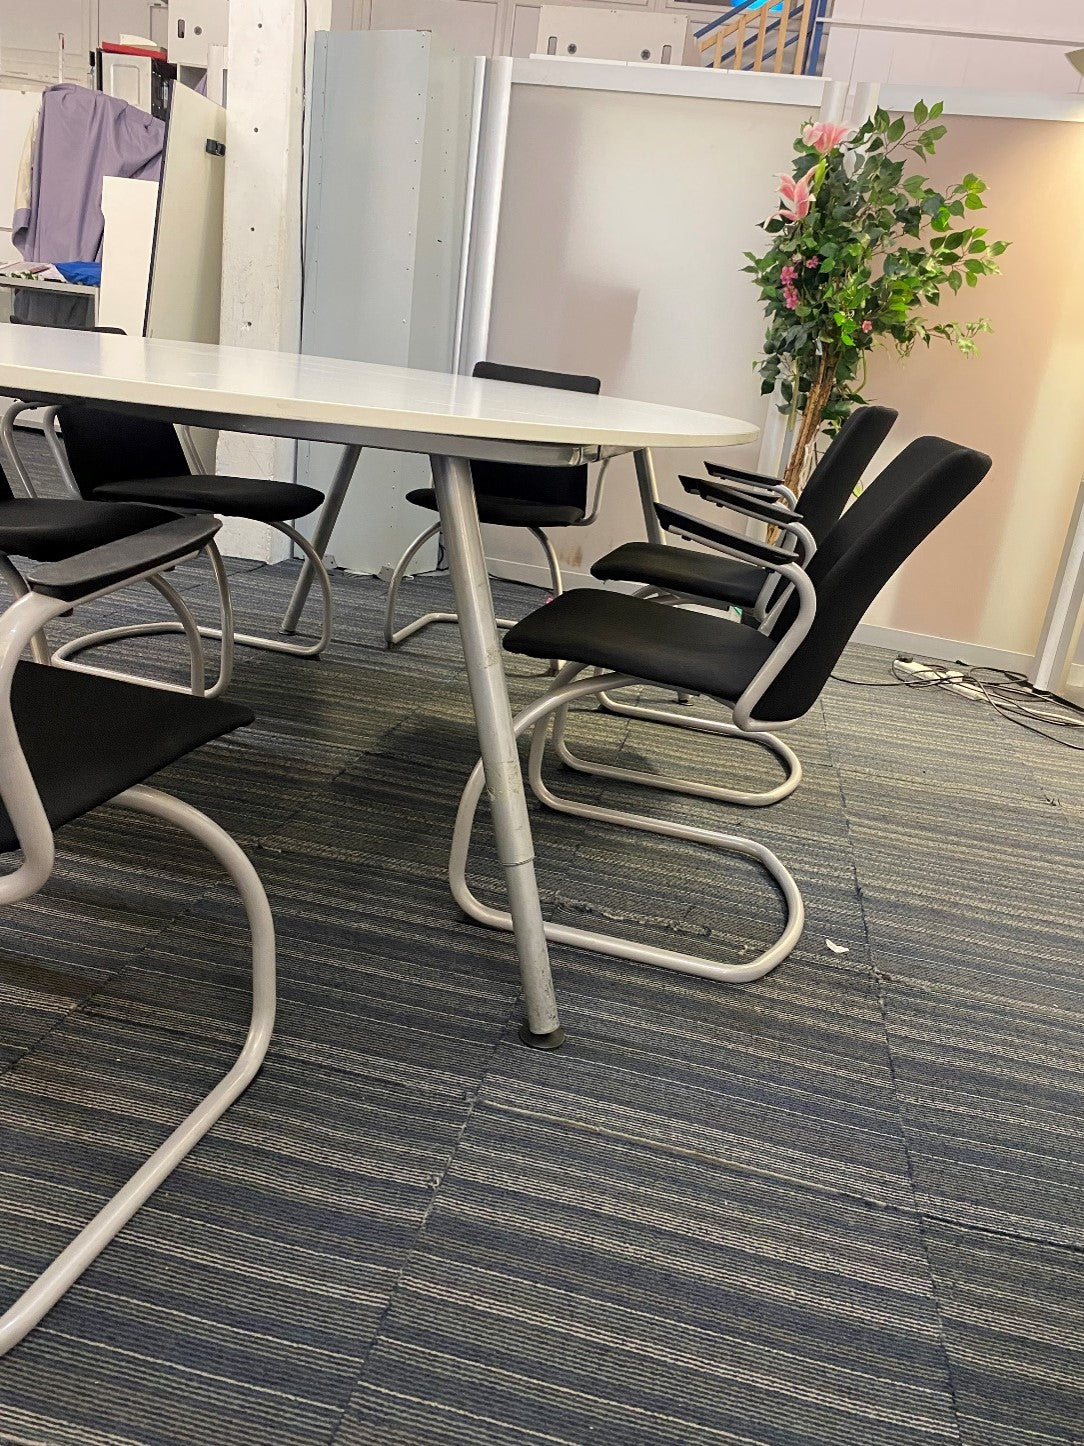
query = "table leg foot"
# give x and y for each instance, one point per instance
(551, 1040)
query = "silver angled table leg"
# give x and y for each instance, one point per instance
(500, 756)
(321, 535)
(649, 494)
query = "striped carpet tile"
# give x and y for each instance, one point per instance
(570, 1286)
(832, 1206)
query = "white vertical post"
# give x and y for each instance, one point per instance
(487, 211)
(1061, 626)
(833, 100)
(216, 74)
(269, 47)
(867, 93)
(459, 361)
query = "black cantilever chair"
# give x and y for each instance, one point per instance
(62, 754)
(737, 584)
(110, 457)
(681, 575)
(769, 676)
(47, 529)
(509, 495)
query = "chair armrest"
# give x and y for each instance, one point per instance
(107, 567)
(693, 530)
(752, 504)
(755, 481)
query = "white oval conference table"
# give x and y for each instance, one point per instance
(450, 418)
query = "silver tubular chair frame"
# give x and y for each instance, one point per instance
(19, 624)
(219, 634)
(745, 798)
(11, 451)
(567, 689)
(185, 622)
(394, 637)
(64, 656)
(42, 652)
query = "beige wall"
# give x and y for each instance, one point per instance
(985, 576)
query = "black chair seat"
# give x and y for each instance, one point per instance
(262, 501)
(53, 529)
(87, 739)
(697, 651)
(509, 511)
(719, 578)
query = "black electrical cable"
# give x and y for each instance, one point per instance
(1009, 694)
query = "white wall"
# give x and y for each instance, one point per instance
(937, 60)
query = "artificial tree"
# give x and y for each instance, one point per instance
(861, 248)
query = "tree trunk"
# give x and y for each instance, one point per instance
(817, 398)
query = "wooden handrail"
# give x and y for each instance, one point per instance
(728, 42)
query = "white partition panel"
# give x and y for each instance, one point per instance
(129, 208)
(389, 159)
(624, 216)
(186, 275)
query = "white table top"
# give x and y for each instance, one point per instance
(66, 288)
(281, 392)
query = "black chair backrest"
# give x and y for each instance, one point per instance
(560, 486)
(109, 446)
(840, 470)
(897, 511)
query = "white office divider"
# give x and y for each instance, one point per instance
(186, 272)
(390, 153)
(129, 208)
(626, 195)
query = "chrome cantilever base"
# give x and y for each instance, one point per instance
(393, 637)
(224, 634)
(69, 1265)
(693, 723)
(567, 689)
(186, 623)
(697, 724)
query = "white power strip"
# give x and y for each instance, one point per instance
(952, 678)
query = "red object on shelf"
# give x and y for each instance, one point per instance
(114, 49)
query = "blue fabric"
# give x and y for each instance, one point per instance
(82, 273)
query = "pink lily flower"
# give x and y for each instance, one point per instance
(825, 136)
(797, 197)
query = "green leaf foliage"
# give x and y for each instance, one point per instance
(876, 252)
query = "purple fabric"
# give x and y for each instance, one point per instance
(83, 135)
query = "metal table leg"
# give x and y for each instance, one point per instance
(321, 535)
(500, 757)
(649, 494)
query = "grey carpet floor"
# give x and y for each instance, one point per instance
(842, 1204)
